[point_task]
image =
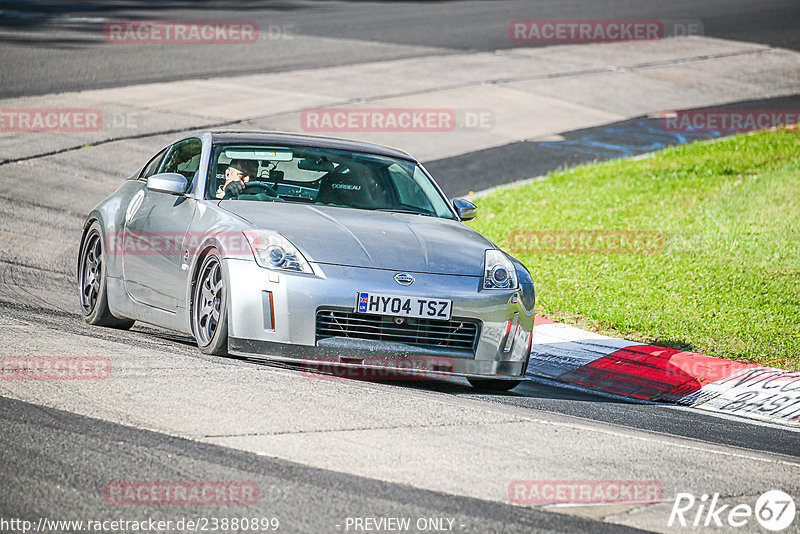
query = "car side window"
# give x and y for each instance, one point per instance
(184, 158)
(153, 165)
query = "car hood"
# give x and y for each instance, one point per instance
(366, 238)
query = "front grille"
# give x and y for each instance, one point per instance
(455, 334)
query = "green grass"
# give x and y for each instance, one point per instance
(727, 280)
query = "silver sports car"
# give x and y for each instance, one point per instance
(307, 249)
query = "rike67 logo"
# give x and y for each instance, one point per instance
(774, 511)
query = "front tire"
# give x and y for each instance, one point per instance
(92, 282)
(209, 309)
(490, 384)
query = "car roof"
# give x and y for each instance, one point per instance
(314, 141)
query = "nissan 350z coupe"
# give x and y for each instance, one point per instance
(334, 252)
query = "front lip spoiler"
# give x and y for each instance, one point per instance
(319, 359)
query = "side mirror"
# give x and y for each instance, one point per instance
(466, 210)
(168, 182)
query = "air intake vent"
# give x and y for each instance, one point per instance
(455, 334)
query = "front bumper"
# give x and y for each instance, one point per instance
(273, 315)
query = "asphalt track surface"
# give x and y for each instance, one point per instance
(58, 46)
(68, 457)
(55, 463)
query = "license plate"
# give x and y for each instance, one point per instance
(403, 306)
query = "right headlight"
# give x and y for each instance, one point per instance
(499, 271)
(274, 251)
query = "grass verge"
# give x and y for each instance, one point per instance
(695, 248)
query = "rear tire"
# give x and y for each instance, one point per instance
(491, 384)
(92, 282)
(209, 309)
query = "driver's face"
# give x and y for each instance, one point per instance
(232, 175)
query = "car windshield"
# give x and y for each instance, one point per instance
(326, 177)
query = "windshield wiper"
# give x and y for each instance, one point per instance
(401, 210)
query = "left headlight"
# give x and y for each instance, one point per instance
(274, 251)
(499, 271)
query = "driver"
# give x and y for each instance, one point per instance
(237, 174)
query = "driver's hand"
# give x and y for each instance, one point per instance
(234, 189)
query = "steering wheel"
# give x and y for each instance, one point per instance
(260, 185)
